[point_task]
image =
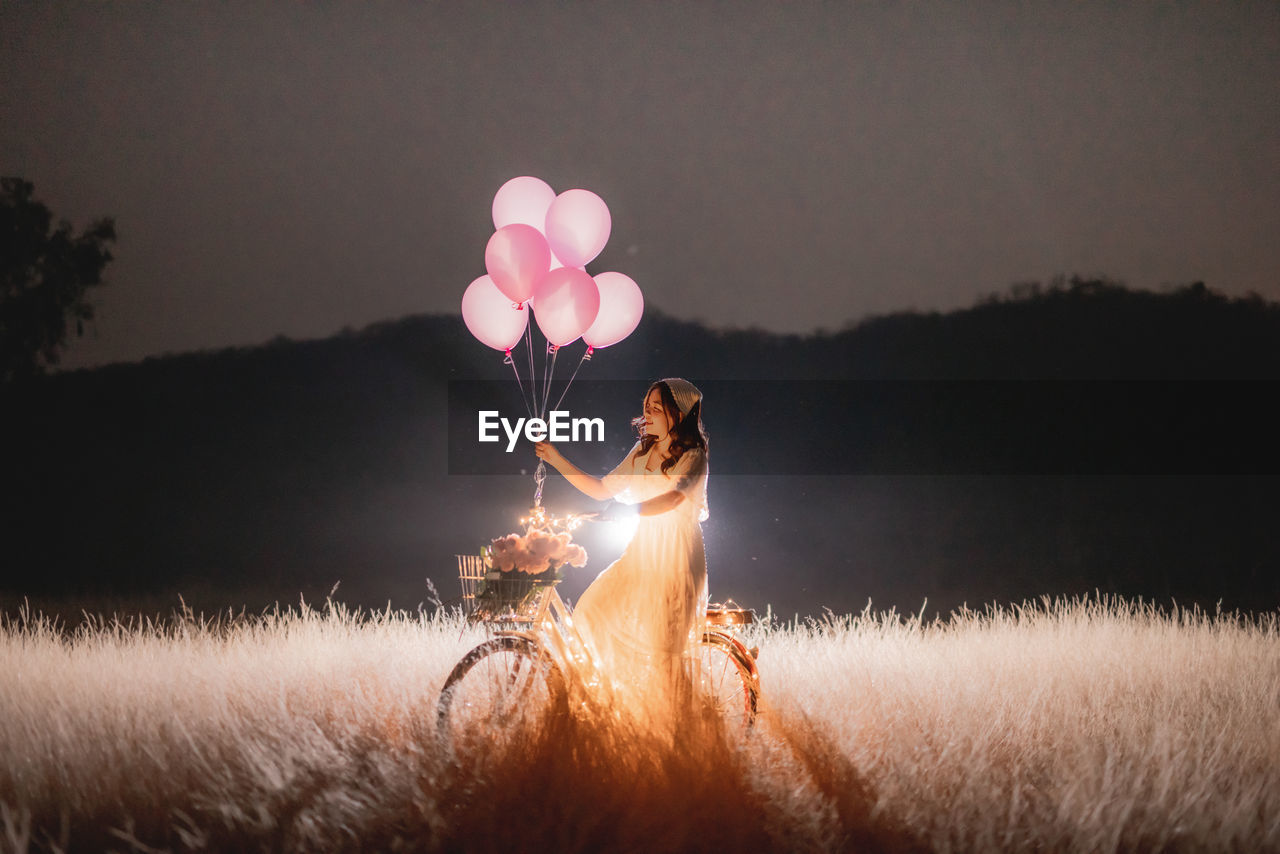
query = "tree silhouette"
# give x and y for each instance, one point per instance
(44, 277)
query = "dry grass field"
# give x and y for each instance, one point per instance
(1064, 726)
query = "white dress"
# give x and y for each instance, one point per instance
(642, 612)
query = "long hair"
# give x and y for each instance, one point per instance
(687, 434)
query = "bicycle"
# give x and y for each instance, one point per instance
(533, 656)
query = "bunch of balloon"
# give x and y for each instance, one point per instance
(537, 258)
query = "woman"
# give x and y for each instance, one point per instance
(643, 611)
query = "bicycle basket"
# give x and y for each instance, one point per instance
(471, 576)
(492, 596)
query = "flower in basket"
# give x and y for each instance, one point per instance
(536, 553)
(540, 547)
(519, 566)
(504, 553)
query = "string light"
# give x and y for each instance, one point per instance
(539, 519)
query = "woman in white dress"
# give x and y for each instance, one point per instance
(643, 611)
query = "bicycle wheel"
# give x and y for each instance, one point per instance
(725, 675)
(498, 686)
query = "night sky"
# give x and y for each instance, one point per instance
(299, 168)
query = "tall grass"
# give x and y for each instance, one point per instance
(1082, 725)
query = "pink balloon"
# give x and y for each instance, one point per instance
(577, 227)
(556, 263)
(567, 302)
(491, 317)
(516, 257)
(621, 305)
(524, 201)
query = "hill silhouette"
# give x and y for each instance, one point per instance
(259, 471)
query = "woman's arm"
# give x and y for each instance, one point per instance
(586, 484)
(660, 503)
(692, 465)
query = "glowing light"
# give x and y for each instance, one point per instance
(539, 518)
(620, 531)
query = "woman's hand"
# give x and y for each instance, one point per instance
(547, 451)
(583, 482)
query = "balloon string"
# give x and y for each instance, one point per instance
(541, 405)
(512, 362)
(546, 388)
(539, 478)
(586, 356)
(540, 471)
(542, 388)
(533, 374)
(527, 403)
